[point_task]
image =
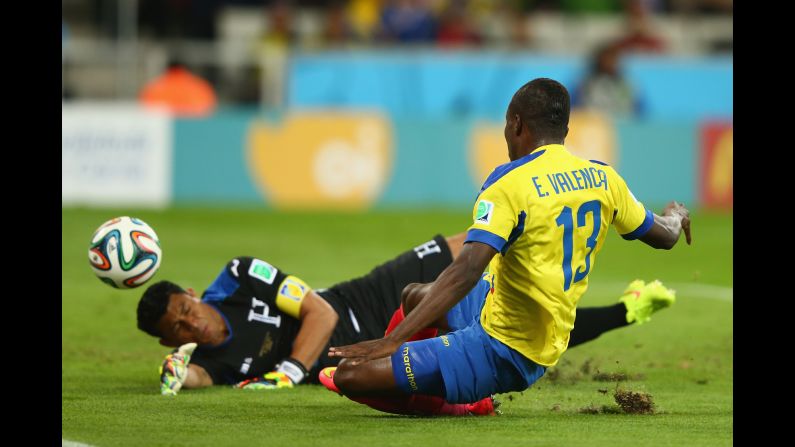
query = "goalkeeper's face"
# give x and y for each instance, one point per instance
(189, 320)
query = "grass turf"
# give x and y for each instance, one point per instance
(682, 358)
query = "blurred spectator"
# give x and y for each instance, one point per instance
(590, 6)
(364, 16)
(337, 29)
(202, 14)
(164, 18)
(704, 7)
(182, 92)
(605, 89)
(280, 30)
(407, 21)
(66, 91)
(516, 22)
(639, 37)
(280, 36)
(455, 26)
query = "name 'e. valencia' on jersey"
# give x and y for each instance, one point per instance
(547, 214)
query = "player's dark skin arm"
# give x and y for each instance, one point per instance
(366, 368)
(449, 288)
(666, 229)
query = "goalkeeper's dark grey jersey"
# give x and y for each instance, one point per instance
(261, 335)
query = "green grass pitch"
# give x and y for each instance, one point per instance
(683, 358)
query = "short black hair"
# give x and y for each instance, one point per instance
(153, 305)
(544, 106)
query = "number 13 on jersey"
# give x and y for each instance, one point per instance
(566, 220)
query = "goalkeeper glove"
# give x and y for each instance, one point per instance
(174, 370)
(289, 373)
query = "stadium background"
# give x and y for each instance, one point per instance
(331, 136)
(357, 121)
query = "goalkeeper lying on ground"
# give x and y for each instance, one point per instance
(260, 328)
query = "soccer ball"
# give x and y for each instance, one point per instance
(124, 252)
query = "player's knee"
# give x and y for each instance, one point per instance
(348, 378)
(410, 298)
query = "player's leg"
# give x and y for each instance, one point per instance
(460, 316)
(412, 294)
(461, 367)
(373, 384)
(636, 305)
(594, 321)
(372, 299)
(388, 282)
(455, 243)
(417, 383)
(409, 382)
(373, 378)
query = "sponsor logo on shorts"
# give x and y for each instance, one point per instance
(484, 211)
(409, 373)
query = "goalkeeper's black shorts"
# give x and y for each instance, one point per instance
(366, 304)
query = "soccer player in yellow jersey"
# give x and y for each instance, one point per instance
(539, 222)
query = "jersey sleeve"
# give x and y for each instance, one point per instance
(631, 219)
(495, 217)
(258, 277)
(273, 286)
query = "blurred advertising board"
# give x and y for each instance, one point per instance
(322, 159)
(345, 159)
(115, 155)
(717, 164)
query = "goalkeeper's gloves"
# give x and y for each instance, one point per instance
(289, 372)
(174, 370)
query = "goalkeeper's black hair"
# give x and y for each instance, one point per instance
(153, 305)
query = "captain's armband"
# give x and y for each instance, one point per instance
(291, 294)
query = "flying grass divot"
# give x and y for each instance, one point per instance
(633, 402)
(629, 402)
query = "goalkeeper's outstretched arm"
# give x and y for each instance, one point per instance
(176, 372)
(197, 377)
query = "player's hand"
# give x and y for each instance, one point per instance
(365, 351)
(678, 209)
(174, 370)
(270, 381)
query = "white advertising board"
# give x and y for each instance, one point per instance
(115, 155)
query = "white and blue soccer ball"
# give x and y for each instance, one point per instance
(125, 252)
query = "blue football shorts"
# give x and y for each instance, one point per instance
(466, 364)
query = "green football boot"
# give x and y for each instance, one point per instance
(642, 300)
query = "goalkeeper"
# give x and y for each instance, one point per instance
(258, 327)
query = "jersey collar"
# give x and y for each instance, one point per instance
(548, 147)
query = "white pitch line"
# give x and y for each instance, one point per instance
(704, 291)
(68, 443)
(683, 289)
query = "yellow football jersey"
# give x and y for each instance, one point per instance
(547, 215)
